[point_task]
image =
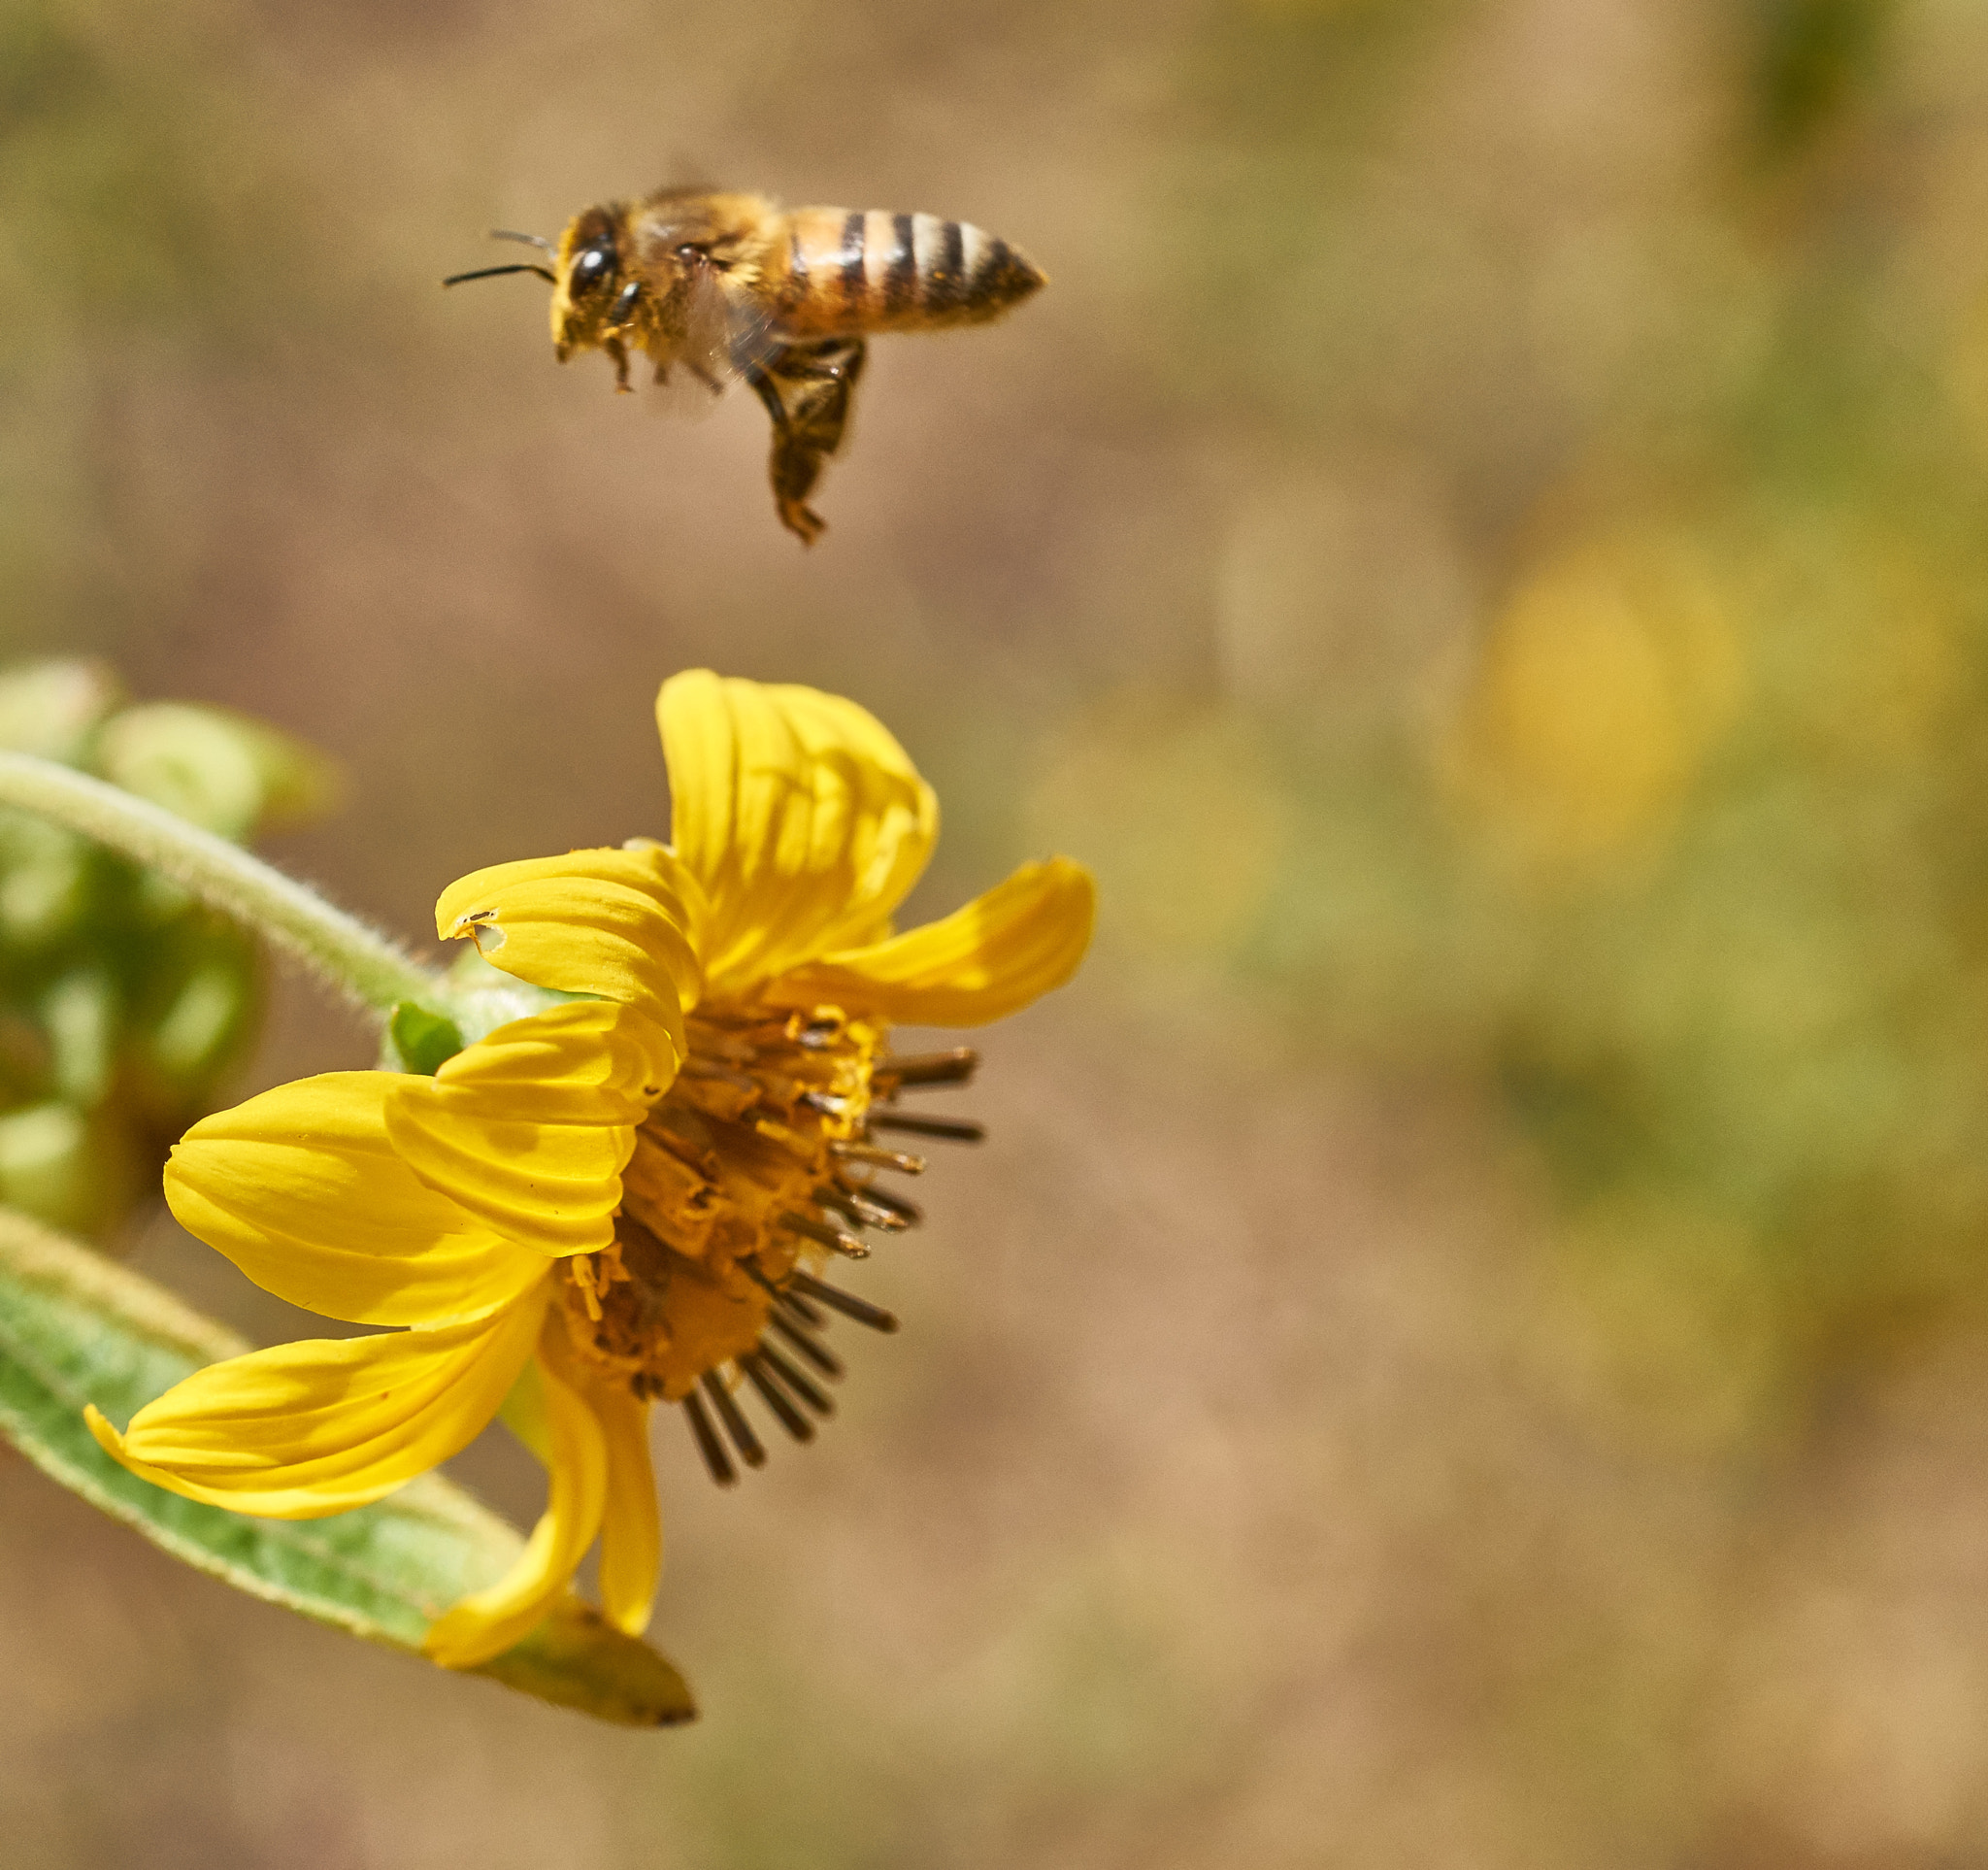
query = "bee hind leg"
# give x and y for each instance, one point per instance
(806, 390)
(794, 468)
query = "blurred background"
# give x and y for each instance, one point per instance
(1469, 1345)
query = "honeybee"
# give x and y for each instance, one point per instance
(718, 285)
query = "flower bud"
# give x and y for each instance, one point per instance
(124, 1002)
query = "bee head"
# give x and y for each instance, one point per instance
(588, 267)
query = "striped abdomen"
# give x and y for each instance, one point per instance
(849, 273)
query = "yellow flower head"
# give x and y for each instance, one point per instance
(622, 1198)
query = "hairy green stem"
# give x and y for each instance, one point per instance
(364, 964)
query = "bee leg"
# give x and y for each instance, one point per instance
(616, 349)
(838, 361)
(806, 390)
(791, 469)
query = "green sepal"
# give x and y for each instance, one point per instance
(418, 1040)
(77, 1328)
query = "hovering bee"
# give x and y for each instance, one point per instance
(718, 286)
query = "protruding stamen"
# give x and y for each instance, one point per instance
(581, 1266)
(850, 1306)
(780, 1297)
(801, 1384)
(833, 1238)
(694, 1067)
(947, 1129)
(819, 1356)
(826, 1102)
(813, 1317)
(954, 1067)
(791, 1420)
(909, 1214)
(707, 1444)
(878, 1158)
(809, 1314)
(734, 1418)
(856, 1204)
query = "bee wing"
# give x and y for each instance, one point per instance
(717, 337)
(750, 336)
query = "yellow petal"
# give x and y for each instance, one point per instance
(982, 962)
(618, 925)
(529, 1128)
(583, 1062)
(632, 1531)
(803, 818)
(316, 1427)
(490, 1621)
(523, 1413)
(303, 1191)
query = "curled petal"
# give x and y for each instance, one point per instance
(618, 925)
(804, 820)
(529, 1128)
(585, 1062)
(302, 1189)
(320, 1426)
(523, 1413)
(982, 962)
(490, 1621)
(632, 1526)
(632, 1531)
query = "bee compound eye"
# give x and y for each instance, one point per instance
(590, 266)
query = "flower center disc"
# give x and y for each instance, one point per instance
(745, 1172)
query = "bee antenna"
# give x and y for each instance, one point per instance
(491, 272)
(523, 240)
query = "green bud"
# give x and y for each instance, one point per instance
(204, 1024)
(45, 882)
(123, 1001)
(53, 709)
(218, 770)
(80, 1013)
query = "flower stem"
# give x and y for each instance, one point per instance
(365, 965)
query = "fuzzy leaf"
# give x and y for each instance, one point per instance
(77, 1328)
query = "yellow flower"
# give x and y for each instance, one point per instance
(621, 1198)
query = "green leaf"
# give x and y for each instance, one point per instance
(76, 1328)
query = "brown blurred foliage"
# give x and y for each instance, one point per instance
(1467, 1348)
